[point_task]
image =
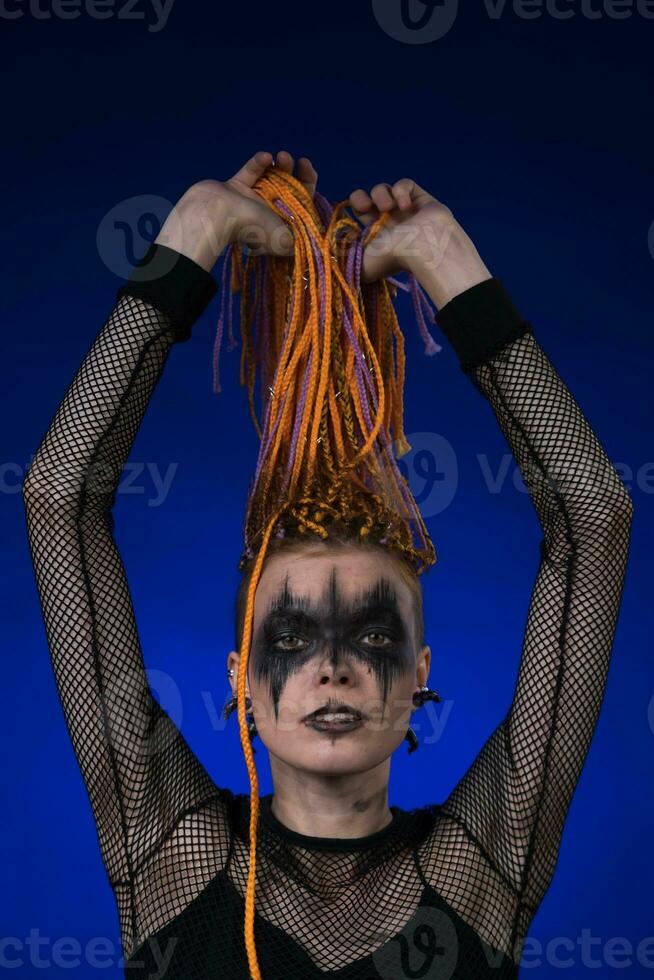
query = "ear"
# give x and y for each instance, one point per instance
(423, 664)
(232, 662)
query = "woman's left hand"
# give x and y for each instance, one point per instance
(411, 210)
(421, 236)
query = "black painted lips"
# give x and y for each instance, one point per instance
(332, 709)
(319, 715)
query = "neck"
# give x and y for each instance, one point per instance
(343, 806)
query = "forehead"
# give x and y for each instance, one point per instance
(313, 578)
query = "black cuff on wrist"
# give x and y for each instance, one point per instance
(480, 321)
(172, 283)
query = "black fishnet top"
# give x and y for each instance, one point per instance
(446, 890)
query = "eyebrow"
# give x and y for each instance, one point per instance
(291, 615)
(377, 602)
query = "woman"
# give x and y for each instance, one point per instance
(347, 885)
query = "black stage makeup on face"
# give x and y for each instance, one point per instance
(294, 630)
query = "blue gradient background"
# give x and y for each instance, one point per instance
(538, 134)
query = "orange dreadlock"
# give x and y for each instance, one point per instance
(332, 401)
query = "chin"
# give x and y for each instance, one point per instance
(338, 757)
(345, 766)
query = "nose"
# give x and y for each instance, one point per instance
(339, 678)
(337, 670)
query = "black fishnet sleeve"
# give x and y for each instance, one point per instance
(513, 801)
(141, 775)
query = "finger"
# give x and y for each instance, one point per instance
(284, 161)
(381, 195)
(403, 191)
(361, 200)
(251, 171)
(363, 206)
(307, 174)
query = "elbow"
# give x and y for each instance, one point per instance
(623, 517)
(620, 513)
(608, 525)
(627, 507)
(47, 494)
(35, 488)
(37, 482)
(29, 490)
(605, 511)
(37, 501)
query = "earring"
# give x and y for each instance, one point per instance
(419, 698)
(231, 705)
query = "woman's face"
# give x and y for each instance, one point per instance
(332, 626)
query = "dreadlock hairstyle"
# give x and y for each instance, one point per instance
(331, 362)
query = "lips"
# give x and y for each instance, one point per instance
(333, 708)
(334, 726)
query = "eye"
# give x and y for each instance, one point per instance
(379, 642)
(380, 635)
(282, 639)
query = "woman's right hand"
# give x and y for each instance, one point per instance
(213, 214)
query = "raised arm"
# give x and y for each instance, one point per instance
(162, 824)
(516, 795)
(494, 851)
(139, 772)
